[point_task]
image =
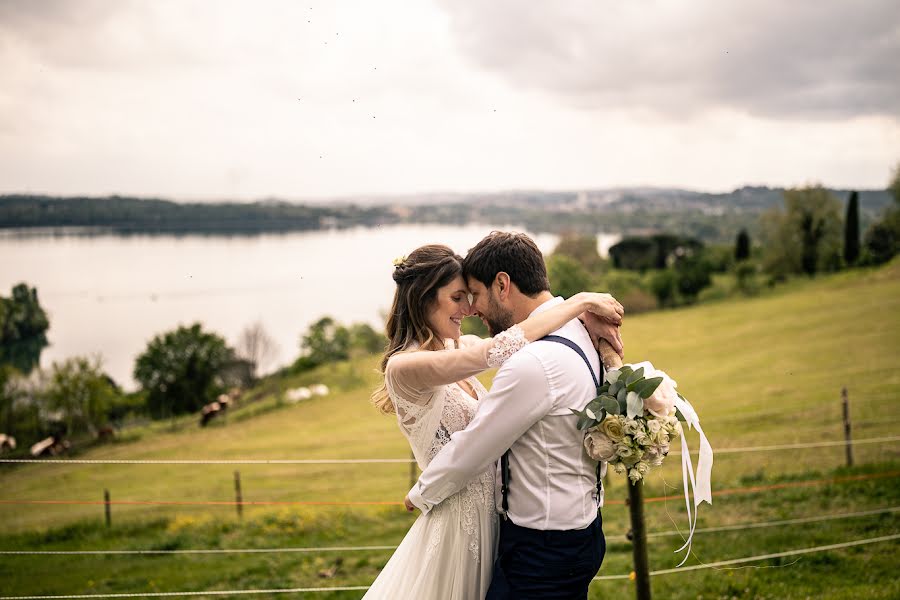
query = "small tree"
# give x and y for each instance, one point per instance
(256, 347)
(365, 339)
(80, 390)
(567, 277)
(851, 230)
(742, 246)
(326, 341)
(182, 370)
(806, 236)
(23, 328)
(583, 250)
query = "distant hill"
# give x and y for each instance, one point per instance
(712, 217)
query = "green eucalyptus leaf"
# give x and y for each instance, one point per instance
(647, 386)
(611, 406)
(680, 416)
(636, 375)
(621, 395)
(614, 388)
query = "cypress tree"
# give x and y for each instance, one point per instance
(851, 230)
(742, 246)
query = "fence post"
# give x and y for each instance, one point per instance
(106, 508)
(639, 539)
(413, 473)
(847, 436)
(237, 495)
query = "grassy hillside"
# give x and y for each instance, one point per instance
(761, 371)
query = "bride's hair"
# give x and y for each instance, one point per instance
(418, 278)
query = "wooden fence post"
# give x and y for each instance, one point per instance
(106, 508)
(847, 436)
(639, 539)
(237, 495)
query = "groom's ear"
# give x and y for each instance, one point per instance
(503, 285)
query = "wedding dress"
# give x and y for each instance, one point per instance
(448, 553)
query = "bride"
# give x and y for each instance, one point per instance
(429, 382)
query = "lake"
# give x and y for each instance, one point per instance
(109, 295)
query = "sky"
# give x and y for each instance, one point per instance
(243, 100)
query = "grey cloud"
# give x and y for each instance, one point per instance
(804, 59)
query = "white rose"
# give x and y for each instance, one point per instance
(653, 425)
(619, 468)
(642, 467)
(598, 445)
(660, 437)
(634, 475)
(632, 426)
(642, 438)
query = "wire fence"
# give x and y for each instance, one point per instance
(353, 461)
(323, 549)
(714, 565)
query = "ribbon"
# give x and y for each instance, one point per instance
(701, 484)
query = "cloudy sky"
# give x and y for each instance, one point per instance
(199, 99)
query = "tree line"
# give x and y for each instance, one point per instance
(179, 372)
(812, 232)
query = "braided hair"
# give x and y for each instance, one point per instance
(419, 276)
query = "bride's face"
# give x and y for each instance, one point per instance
(450, 306)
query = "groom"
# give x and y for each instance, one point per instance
(551, 539)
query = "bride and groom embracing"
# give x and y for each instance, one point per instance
(547, 541)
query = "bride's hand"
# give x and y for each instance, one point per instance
(603, 306)
(600, 329)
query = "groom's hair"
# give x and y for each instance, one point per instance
(516, 254)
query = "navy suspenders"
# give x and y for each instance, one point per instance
(504, 460)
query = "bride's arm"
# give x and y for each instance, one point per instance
(418, 372)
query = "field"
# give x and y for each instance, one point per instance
(763, 371)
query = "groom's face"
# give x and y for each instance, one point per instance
(488, 307)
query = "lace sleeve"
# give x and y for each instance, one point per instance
(505, 345)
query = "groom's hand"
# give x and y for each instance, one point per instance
(410, 507)
(598, 328)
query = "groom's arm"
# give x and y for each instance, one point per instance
(519, 397)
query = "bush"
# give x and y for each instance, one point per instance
(567, 277)
(182, 370)
(81, 393)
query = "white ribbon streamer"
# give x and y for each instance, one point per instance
(701, 484)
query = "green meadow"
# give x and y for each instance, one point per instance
(761, 371)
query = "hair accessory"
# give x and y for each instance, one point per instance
(399, 261)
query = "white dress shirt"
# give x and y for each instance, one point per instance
(553, 482)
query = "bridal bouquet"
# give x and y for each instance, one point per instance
(632, 420)
(636, 414)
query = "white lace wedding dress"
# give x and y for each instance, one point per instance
(448, 553)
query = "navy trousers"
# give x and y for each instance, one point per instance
(555, 565)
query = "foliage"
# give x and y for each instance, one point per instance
(182, 370)
(567, 276)
(364, 339)
(746, 280)
(327, 341)
(654, 252)
(851, 230)
(882, 241)
(583, 250)
(805, 237)
(81, 393)
(742, 246)
(23, 328)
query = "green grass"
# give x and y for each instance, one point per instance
(761, 371)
